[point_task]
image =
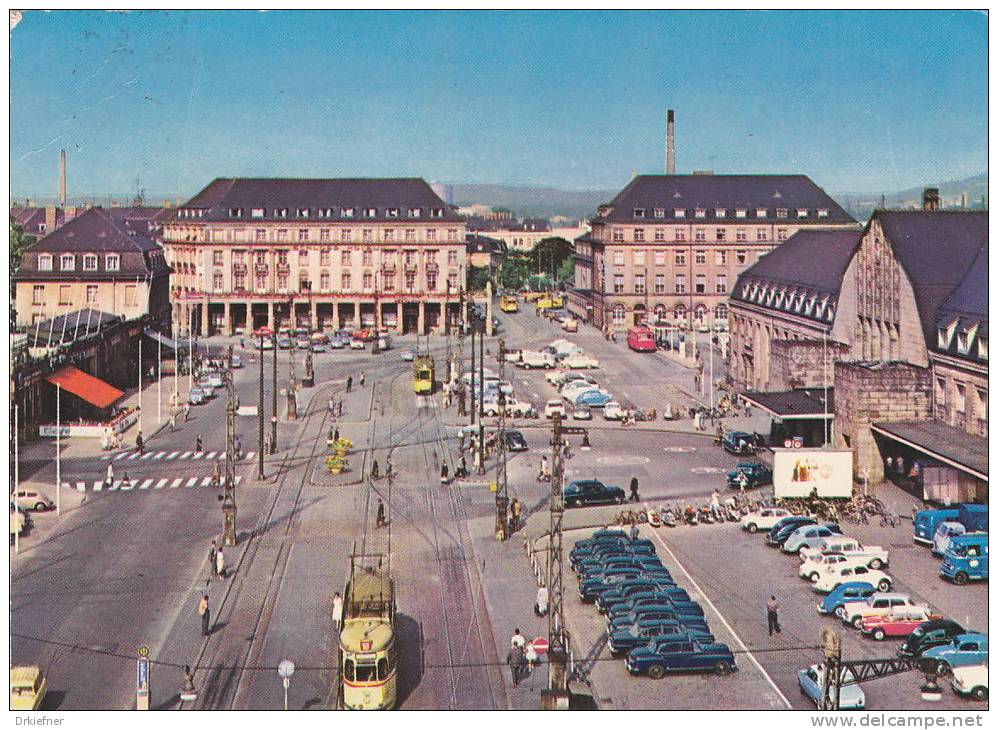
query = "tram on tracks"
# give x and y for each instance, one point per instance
(422, 372)
(368, 656)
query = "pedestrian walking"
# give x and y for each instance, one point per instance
(140, 443)
(332, 407)
(634, 532)
(337, 610)
(773, 615)
(205, 613)
(634, 489)
(889, 464)
(544, 468)
(212, 551)
(349, 383)
(126, 483)
(173, 421)
(517, 639)
(380, 519)
(715, 503)
(361, 378)
(541, 604)
(516, 510)
(742, 480)
(109, 479)
(198, 445)
(187, 412)
(517, 662)
(531, 656)
(444, 473)
(336, 434)
(220, 563)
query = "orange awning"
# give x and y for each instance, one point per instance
(93, 390)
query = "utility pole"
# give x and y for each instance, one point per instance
(481, 398)
(502, 493)
(292, 383)
(447, 331)
(474, 413)
(830, 687)
(17, 483)
(228, 498)
(259, 412)
(159, 379)
(273, 393)
(555, 697)
(140, 382)
(58, 449)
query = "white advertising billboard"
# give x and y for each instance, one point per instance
(798, 472)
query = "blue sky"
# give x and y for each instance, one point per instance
(858, 101)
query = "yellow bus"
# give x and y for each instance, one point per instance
(422, 374)
(508, 304)
(368, 654)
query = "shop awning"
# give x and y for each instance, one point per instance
(166, 341)
(798, 404)
(942, 442)
(93, 390)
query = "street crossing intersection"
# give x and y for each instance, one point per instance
(179, 455)
(119, 485)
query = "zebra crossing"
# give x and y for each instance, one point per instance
(179, 455)
(150, 484)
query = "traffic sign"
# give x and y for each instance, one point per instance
(286, 668)
(798, 442)
(540, 645)
(788, 443)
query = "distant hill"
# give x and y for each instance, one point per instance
(951, 195)
(535, 202)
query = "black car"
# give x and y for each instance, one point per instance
(591, 491)
(785, 527)
(642, 546)
(515, 441)
(930, 634)
(637, 557)
(738, 443)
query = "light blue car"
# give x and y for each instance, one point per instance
(851, 697)
(805, 537)
(593, 399)
(965, 650)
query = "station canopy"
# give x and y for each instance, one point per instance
(93, 390)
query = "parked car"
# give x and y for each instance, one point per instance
(623, 555)
(582, 492)
(851, 592)
(683, 613)
(284, 343)
(531, 359)
(626, 597)
(206, 389)
(945, 531)
(644, 631)
(581, 412)
(963, 651)
(812, 681)
(669, 655)
(237, 362)
(515, 441)
(570, 324)
(32, 500)
(628, 589)
(782, 530)
(764, 519)
(873, 556)
(971, 681)
(592, 398)
(514, 408)
(836, 575)
(27, 688)
(338, 342)
(603, 551)
(900, 623)
(805, 537)
(215, 379)
(738, 442)
(756, 474)
(266, 343)
(318, 346)
(195, 396)
(407, 355)
(570, 391)
(590, 588)
(357, 343)
(878, 604)
(613, 411)
(555, 406)
(578, 361)
(929, 634)
(966, 558)
(812, 568)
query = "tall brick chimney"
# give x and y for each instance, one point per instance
(670, 143)
(62, 178)
(930, 199)
(50, 219)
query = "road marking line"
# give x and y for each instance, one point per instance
(191, 482)
(106, 457)
(81, 486)
(159, 455)
(115, 485)
(185, 454)
(726, 624)
(211, 455)
(206, 482)
(147, 455)
(122, 455)
(249, 455)
(146, 484)
(161, 483)
(98, 486)
(134, 455)
(198, 455)
(173, 455)
(125, 486)
(176, 482)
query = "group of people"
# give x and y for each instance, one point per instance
(522, 657)
(894, 468)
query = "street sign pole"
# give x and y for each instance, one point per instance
(142, 679)
(285, 669)
(58, 449)
(17, 516)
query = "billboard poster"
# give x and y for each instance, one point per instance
(801, 472)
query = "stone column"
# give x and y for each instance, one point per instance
(314, 320)
(204, 318)
(421, 326)
(227, 327)
(356, 314)
(270, 316)
(336, 315)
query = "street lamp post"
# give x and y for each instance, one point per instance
(285, 669)
(17, 481)
(58, 449)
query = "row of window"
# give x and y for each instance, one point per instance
(801, 213)
(325, 256)
(325, 235)
(965, 338)
(679, 313)
(347, 213)
(699, 235)
(67, 296)
(385, 282)
(952, 405)
(700, 284)
(789, 299)
(699, 257)
(67, 262)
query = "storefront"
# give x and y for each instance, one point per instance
(805, 414)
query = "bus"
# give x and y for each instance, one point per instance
(422, 375)
(368, 656)
(508, 304)
(640, 338)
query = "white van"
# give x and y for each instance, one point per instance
(532, 359)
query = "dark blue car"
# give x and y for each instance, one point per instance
(590, 588)
(659, 598)
(609, 602)
(644, 631)
(630, 588)
(607, 545)
(666, 655)
(582, 492)
(682, 612)
(588, 563)
(755, 475)
(641, 562)
(785, 528)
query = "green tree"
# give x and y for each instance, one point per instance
(477, 277)
(549, 254)
(566, 271)
(19, 241)
(514, 272)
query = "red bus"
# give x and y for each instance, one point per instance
(641, 338)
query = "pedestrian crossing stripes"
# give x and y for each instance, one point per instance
(174, 456)
(119, 485)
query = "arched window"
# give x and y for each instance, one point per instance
(699, 312)
(661, 312)
(680, 313)
(720, 312)
(619, 314)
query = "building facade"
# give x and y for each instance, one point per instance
(669, 248)
(104, 260)
(522, 236)
(248, 253)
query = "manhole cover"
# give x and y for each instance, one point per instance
(708, 470)
(679, 449)
(622, 460)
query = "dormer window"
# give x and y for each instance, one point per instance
(347, 212)
(761, 212)
(112, 262)
(303, 212)
(370, 212)
(963, 342)
(90, 262)
(982, 348)
(235, 212)
(720, 212)
(802, 212)
(41, 227)
(822, 212)
(781, 212)
(436, 212)
(67, 262)
(45, 262)
(415, 212)
(700, 213)
(740, 212)
(280, 212)
(256, 213)
(660, 212)
(639, 212)
(680, 212)
(393, 212)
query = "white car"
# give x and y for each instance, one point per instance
(514, 408)
(879, 604)
(812, 683)
(812, 568)
(582, 412)
(873, 556)
(572, 394)
(971, 681)
(555, 406)
(578, 361)
(764, 518)
(407, 355)
(839, 574)
(532, 359)
(358, 344)
(613, 411)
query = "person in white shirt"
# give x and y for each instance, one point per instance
(337, 611)
(518, 640)
(541, 607)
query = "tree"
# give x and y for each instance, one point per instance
(18, 242)
(549, 253)
(477, 277)
(514, 272)
(566, 271)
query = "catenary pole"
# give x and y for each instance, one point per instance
(58, 449)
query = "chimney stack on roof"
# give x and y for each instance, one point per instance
(670, 143)
(50, 219)
(930, 199)
(62, 178)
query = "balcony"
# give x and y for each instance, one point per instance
(261, 269)
(283, 268)
(238, 269)
(410, 265)
(432, 267)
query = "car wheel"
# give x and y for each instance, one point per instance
(876, 563)
(883, 585)
(979, 693)
(656, 671)
(753, 528)
(619, 499)
(574, 503)
(942, 669)
(879, 635)
(526, 366)
(857, 622)
(840, 611)
(40, 507)
(814, 579)
(960, 578)
(722, 668)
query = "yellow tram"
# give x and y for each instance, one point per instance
(508, 303)
(368, 654)
(422, 374)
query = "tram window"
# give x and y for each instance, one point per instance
(382, 668)
(348, 670)
(365, 673)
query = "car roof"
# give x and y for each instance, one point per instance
(972, 635)
(940, 623)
